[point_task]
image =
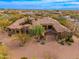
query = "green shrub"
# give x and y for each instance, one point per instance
(37, 30)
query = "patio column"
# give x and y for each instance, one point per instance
(15, 31)
(24, 30)
(46, 26)
(19, 31)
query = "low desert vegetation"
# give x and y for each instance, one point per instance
(4, 24)
(37, 30)
(22, 38)
(75, 16)
(3, 52)
(72, 26)
(66, 39)
(36, 33)
(34, 57)
(49, 56)
(76, 30)
(24, 58)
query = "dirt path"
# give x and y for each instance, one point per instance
(30, 50)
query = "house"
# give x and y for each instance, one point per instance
(50, 25)
(48, 22)
(17, 27)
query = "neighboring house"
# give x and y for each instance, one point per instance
(50, 25)
(1, 12)
(26, 13)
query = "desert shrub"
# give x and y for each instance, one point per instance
(47, 55)
(69, 39)
(3, 56)
(76, 31)
(34, 57)
(24, 58)
(62, 20)
(3, 49)
(66, 38)
(54, 16)
(4, 23)
(3, 52)
(70, 24)
(75, 16)
(22, 38)
(37, 30)
(65, 22)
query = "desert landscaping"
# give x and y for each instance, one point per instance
(39, 34)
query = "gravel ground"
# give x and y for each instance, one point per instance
(38, 51)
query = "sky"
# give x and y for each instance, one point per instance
(40, 4)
